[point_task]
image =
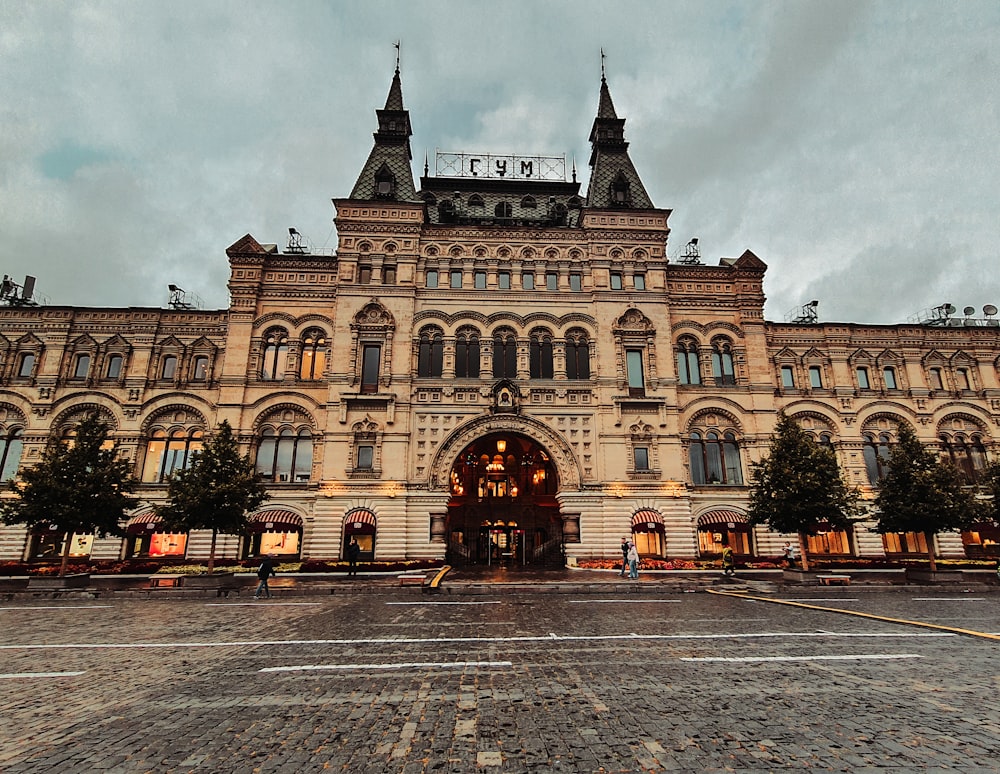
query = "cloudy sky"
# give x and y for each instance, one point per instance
(851, 145)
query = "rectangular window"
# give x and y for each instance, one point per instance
(640, 281)
(575, 283)
(889, 375)
(935, 377)
(200, 368)
(815, 377)
(962, 379)
(503, 278)
(168, 367)
(552, 281)
(27, 364)
(371, 355)
(528, 281)
(787, 376)
(863, 378)
(616, 281)
(82, 366)
(114, 366)
(480, 279)
(366, 457)
(456, 278)
(636, 380)
(364, 274)
(432, 278)
(640, 455)
(388, 275)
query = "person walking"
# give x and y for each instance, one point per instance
(789, 552)
(728, 561)
(353, 552)
(633, 561)
(625, 543)
(265, 571)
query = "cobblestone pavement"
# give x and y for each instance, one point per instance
(405, 682)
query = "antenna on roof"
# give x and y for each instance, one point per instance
(692, 254)
(397, 57)
(294, 242)
(13, 294)
(804, 315)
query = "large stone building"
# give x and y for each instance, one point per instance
(493, 367)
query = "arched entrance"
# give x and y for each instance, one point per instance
(502, 509)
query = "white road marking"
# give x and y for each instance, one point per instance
(947, 599)
(820, 599)
(749, 659)
(269, 604)
(445, 604)
(622, 601)
(58, 607)
(22, 675)
(404, 665)
(551, 637)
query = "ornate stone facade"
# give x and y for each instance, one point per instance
(492, 369)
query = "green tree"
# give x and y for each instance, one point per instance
(78, 487)
(989, 509)
(921, 493)
(798, 486)
(216, 492)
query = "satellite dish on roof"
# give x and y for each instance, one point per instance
(969, 311)
(989, 310)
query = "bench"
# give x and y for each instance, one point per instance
(834, 580)
(412, 579)
(164, 581)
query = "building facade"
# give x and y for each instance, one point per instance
(495, 367)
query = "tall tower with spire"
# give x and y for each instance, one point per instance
(614, 183)
(387, 173)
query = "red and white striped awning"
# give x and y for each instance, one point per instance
(144, 521)
(274, 520)
(721, 517)
(647, 520)
(360, 522)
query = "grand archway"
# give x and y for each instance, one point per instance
(502, 508)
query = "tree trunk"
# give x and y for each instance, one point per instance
(211, 553)
(67, 543)
(802, 553)
(929, 537)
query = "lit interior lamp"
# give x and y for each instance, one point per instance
(501, 446)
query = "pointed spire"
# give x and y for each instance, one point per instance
(387, 173)
(613, 179)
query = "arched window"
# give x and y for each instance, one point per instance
(167, 452)
(430, 356)
(199, 369)
(476, 201)
(876, 454)
(722, 362)
(577, 355)
(81, 366)
(504, 355)
(528, 202)
(313, 355)
(285, 455)
(889, 377)
(688, 367)
(467, 354)
(967, 455)
(540, 350)
(26, 364)
(275, 354)
(11, 446)
(715, 458)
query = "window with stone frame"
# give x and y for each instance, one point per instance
(635, 342)
(688, 365)
(372, 331)
(504, 354)
(11, 441)
(963, 444)
(577, 354)
(313, 354)
(889, 378)
(80, 354)
(723, 368)
(366, 449)
(816, 427)
(430, 352)
(274, 354)
(467, 354)
(169, 440)
(541, 363)
(714, 451)
(642, 451)
(28, 353)
(284, 446)
(878, 434)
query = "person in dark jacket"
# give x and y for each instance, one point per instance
(728, 561)
(353, 552)
(624, 558)
(265, 571)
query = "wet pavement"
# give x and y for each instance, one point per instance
(375, 677)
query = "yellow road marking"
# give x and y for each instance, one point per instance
(924, 624)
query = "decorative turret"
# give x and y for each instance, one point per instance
(387, 173)
(613, 180)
